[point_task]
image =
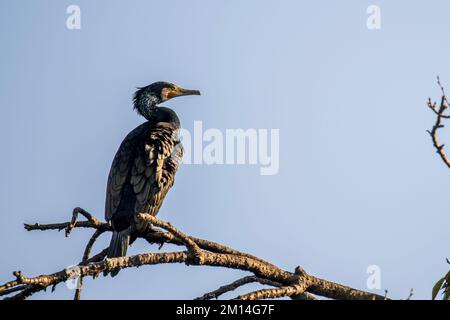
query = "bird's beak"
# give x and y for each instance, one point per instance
(177, 92)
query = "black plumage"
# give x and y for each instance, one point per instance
(144, 167)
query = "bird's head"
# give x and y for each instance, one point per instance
(146, 99)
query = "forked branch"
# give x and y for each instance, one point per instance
(442, 284)
(199, 252)
(439, 111)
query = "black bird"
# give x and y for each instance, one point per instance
(144, 167)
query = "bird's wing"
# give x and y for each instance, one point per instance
(154, 170)
(120, 170)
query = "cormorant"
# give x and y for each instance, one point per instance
(144, 167)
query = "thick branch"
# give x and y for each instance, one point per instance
(158, 237)
(192, 247)
(199, 252)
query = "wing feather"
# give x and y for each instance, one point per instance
(146, 162)
(158, 152)
(120, 170)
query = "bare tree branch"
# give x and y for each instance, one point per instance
(86, 253)
(440, 113)
(287, 291)
(153, 236)
(411, 293)
(235, 285)
(297, 285)
(14, 289)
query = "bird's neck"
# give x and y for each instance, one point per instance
(149, 112)
(147, 106)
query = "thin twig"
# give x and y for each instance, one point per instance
(64, 225)
(86, 214)
(287, 291)
(411, 293)
(234, 285)
(86, 254)
(14, 289)
(440, 112)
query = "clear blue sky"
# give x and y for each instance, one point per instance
(359, 182)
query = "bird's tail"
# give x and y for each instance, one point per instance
(118, 246)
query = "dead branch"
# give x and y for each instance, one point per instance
(235, 285)
(86, 253)
(440, 115)
(250, 279)
(199, 252)
(287, 291)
